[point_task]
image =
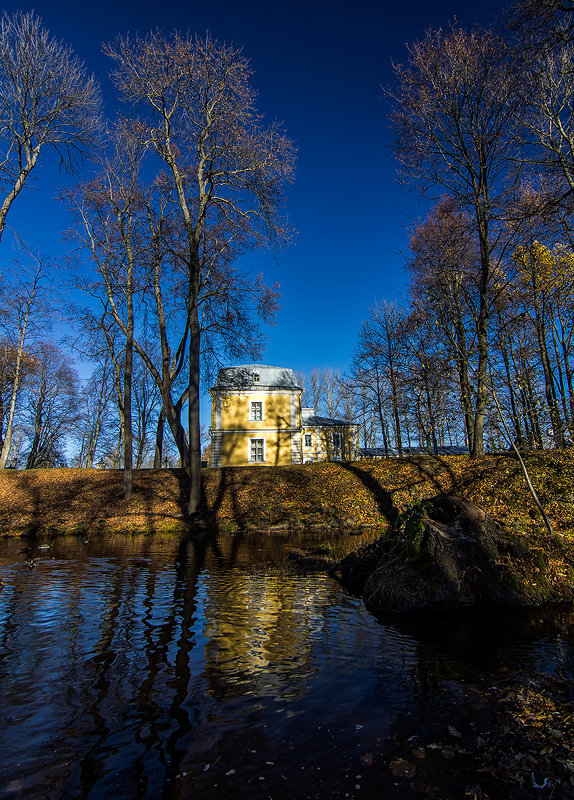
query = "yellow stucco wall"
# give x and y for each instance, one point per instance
(234, 427)
(324, 438)
(235, 447)
(235, 412)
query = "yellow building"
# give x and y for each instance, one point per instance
(256, 418)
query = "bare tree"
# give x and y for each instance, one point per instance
(541, 25)
(52, 407)
(113, 228)
(444, 275)
(455, 126)
(94, 406)
(23, 314)
(226, 170)
(9, 365)
(46, 100)
(382, 347)
(147, 405)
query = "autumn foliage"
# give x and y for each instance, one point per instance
(364, 493)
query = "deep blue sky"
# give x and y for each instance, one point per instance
(319, 68)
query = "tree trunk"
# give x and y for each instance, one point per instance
(514, 412)
(461, 357)
(562, 384)
(396, 418)
(31, 462)
(128, 433)
(549, 388)
(477, 450)
(193, 410)
(17, 188)
(159, 441)
(15, 386)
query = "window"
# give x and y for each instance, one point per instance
(308, 440)
(256, 410)
(336, 440)
(255, 377)
(256, 450)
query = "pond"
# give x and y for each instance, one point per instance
(150, 667)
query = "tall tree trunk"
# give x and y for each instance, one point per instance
(396, 417)
(549, 387)
(15, 386)
(432, 419)
(514, 412)
(477, 450)
(562, 383)
(33, 454)
(159, 440)
(128, 432)
(462, 360)
(193, 409)
(569, 378)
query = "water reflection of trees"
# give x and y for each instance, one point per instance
(99, 643)
(117, 636)
(117, 657)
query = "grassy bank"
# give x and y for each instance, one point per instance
(47, 502)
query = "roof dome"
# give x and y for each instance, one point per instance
(253, 376)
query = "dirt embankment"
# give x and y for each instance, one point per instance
(366, 493)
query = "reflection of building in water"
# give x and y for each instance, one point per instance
(262, 634)
(257, 418)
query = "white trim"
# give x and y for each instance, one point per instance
(251, 417)
(258, 431)
(258, 391)
(294, 402)
(217, 422)
(252, 439)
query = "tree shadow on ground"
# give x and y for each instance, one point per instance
(253, 502)
(382, 498)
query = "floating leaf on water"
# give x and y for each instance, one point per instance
(401, 768)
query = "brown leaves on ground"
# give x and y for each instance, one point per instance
(50, 501)
(367, 493)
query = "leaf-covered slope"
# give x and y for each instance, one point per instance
(362, 493)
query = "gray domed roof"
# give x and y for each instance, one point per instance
(253, 376)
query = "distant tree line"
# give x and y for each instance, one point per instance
(484, 120)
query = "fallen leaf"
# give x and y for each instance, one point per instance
(401, 768)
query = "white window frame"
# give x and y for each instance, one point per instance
(252, 417)
(252, 439)
(337, 440)
(310, 442)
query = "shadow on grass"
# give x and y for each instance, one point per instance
(382, 498)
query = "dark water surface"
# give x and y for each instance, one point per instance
(140, 667)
